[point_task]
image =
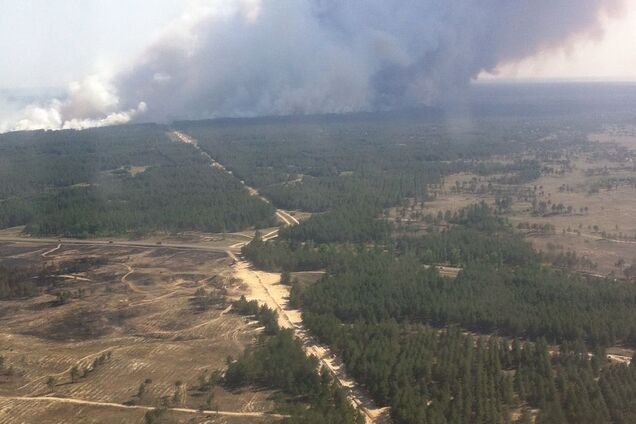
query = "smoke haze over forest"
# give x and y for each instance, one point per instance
(227, 58)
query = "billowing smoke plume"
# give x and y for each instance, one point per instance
(272, 57)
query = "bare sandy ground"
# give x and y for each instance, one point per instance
(265, 288)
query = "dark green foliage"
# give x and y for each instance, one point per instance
(425, 375)
(319, 164)
(479, 217)
(524, 302)
(329, 404)
(80, 184)
(263, 314)
(372, 303)
(356, 224)
(518, 172)
(280, 255)
(618, 386)
(463, 246)
(439, 376)
(278, 361)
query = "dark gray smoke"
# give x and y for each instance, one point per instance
(269, 57)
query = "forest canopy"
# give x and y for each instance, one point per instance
(118, 180)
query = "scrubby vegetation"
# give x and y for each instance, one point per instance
(29, 281)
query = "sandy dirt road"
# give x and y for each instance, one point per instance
(55, 249)
(140, 407)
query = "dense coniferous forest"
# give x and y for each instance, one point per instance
(119, 180)
(286, 256)
(409, 335)
(444, 376)
(323, 163)
(356, 224)
(278, 361)
(400, 327)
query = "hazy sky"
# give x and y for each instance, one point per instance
(611, 56)
(45, 43)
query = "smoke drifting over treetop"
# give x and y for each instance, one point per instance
(268, 57)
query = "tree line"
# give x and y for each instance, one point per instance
(278, 361)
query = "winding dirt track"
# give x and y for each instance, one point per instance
(175, 246)
(130, 285)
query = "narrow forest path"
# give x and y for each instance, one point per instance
(284, 216)
(55, 249)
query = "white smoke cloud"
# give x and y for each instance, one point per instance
(274, 57)
(93, 102)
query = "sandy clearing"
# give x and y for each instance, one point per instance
(75, 277)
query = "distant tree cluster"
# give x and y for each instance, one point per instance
(356, 224)
(282, 255)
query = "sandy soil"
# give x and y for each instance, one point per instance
(265, 288)
(137, 308)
